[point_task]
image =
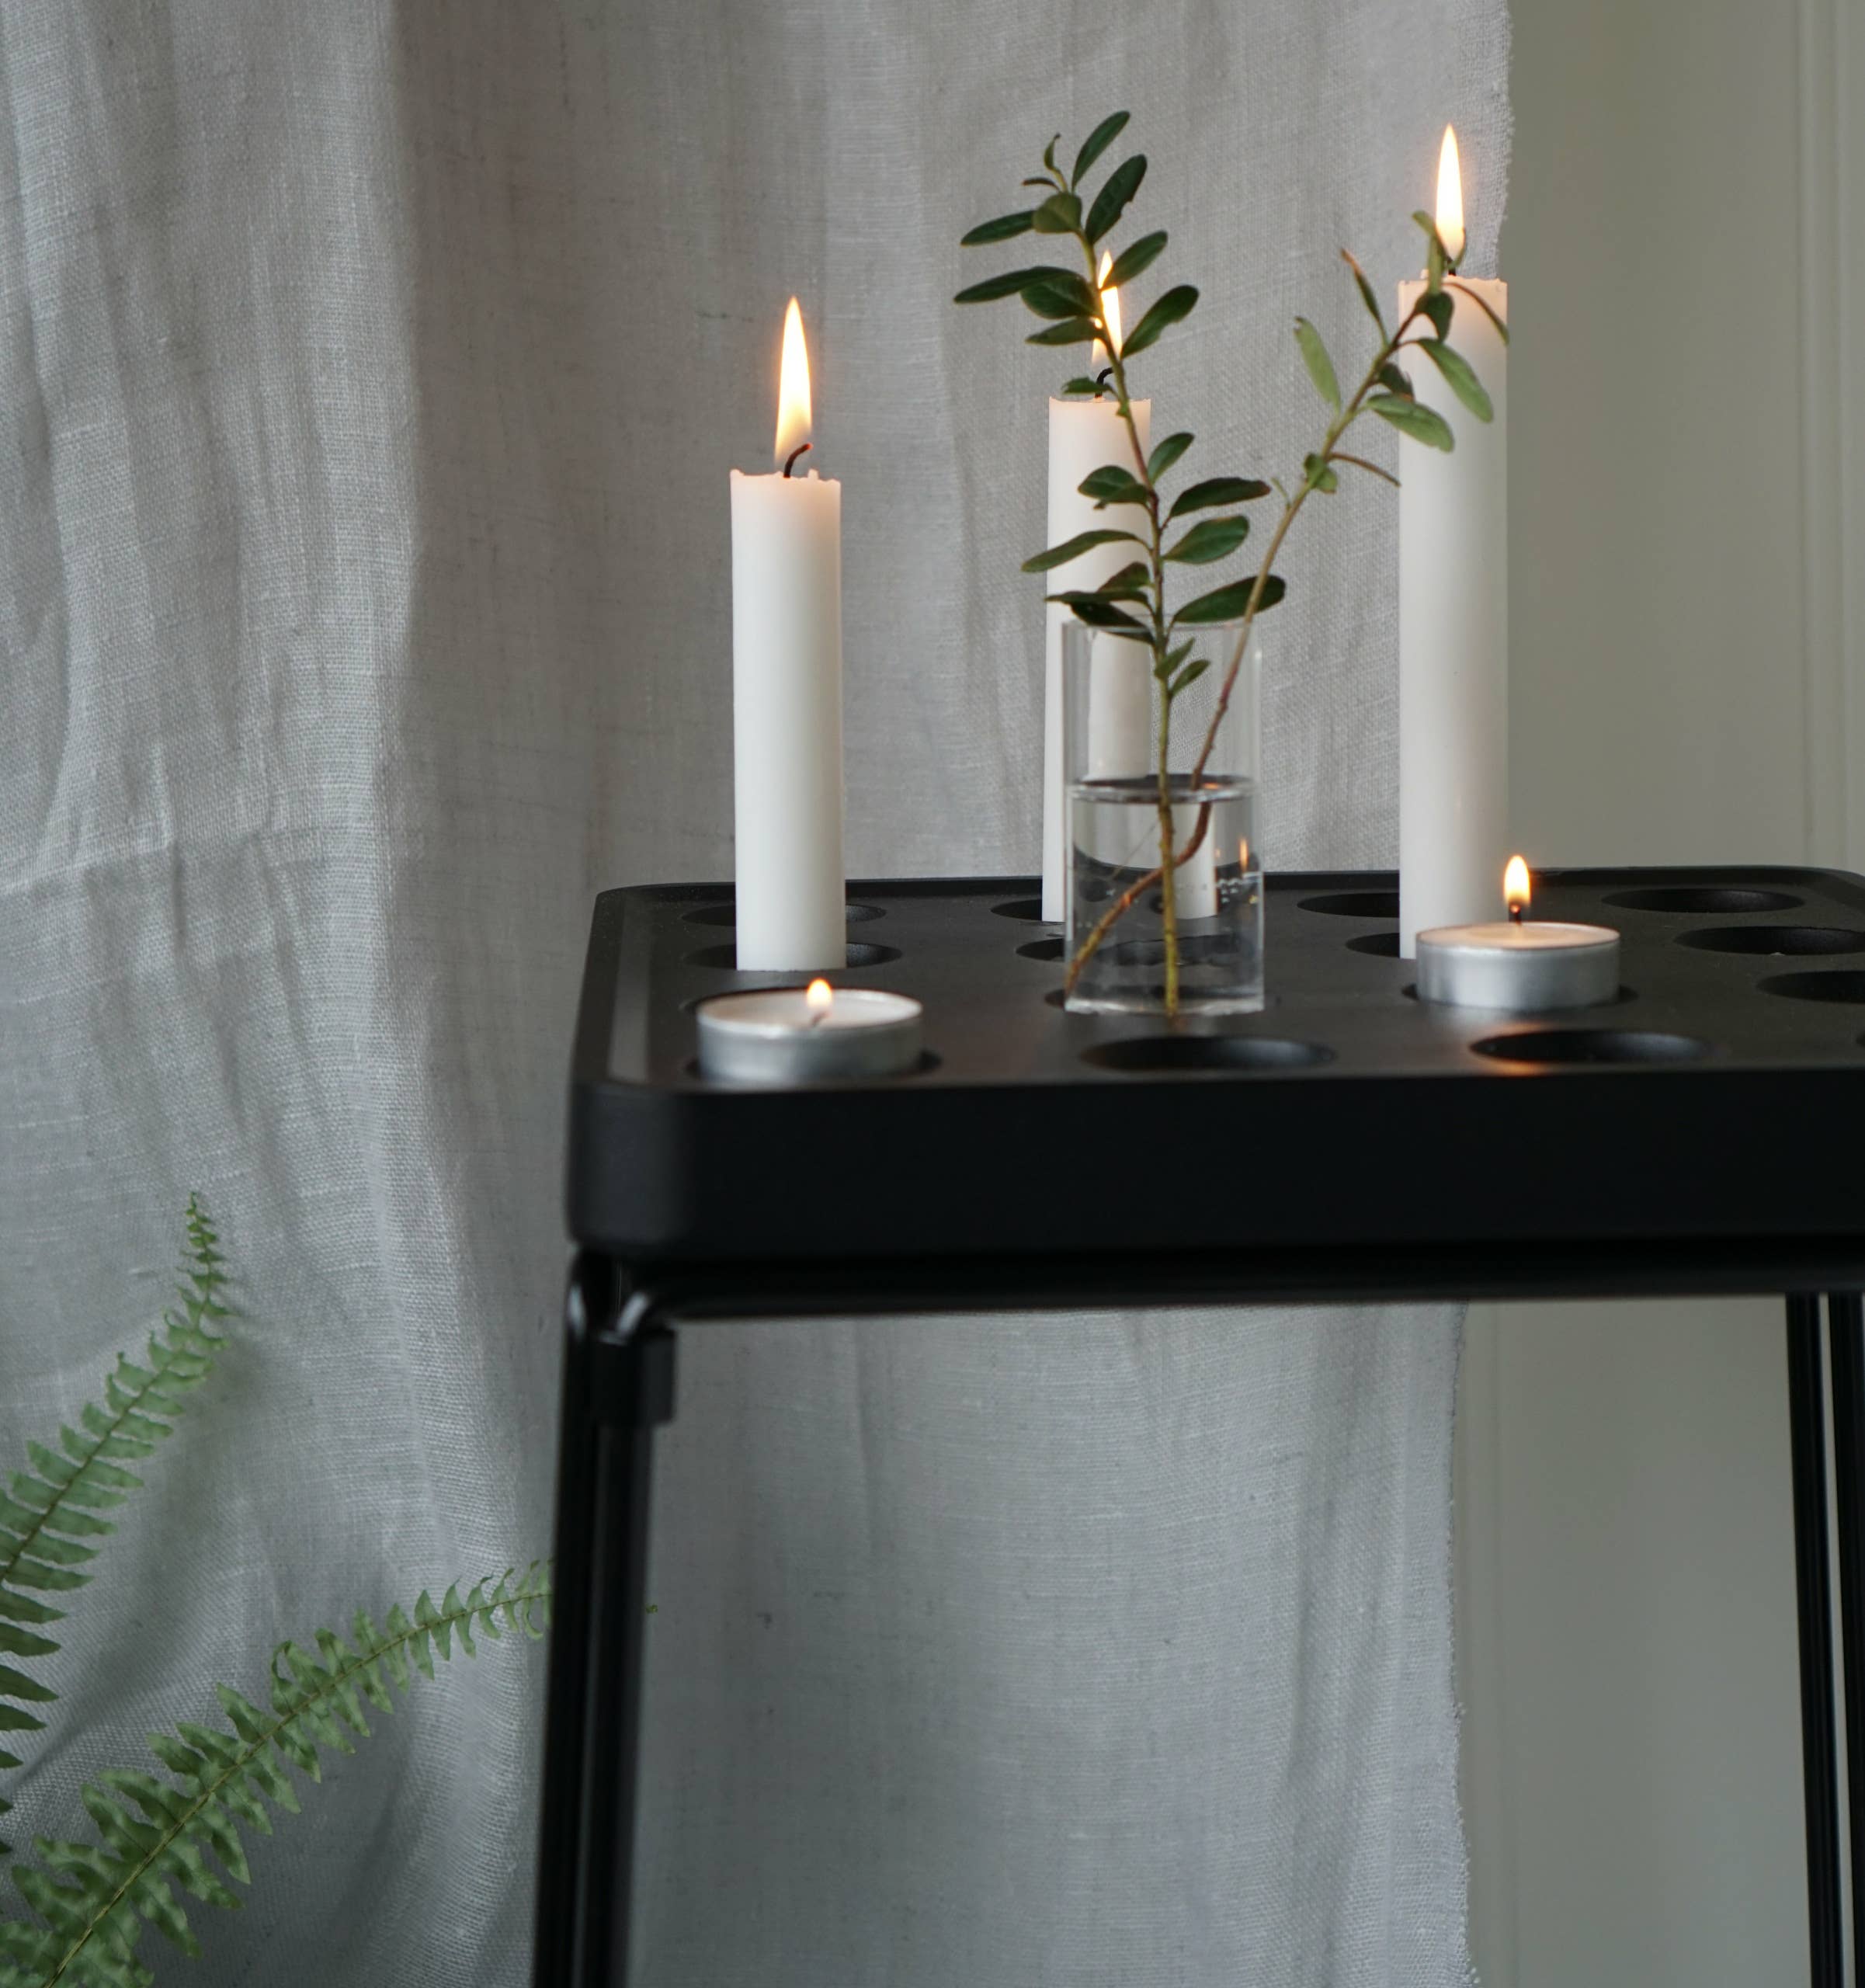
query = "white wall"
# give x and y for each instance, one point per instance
(1687, 386)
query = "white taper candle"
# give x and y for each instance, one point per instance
(787, 701)
(1454, 628)
(1084, 436)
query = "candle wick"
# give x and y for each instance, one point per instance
(794, 453)
(1101, 381)
(1515, 914)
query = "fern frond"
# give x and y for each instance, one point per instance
(49, 1514)
(158, 1834)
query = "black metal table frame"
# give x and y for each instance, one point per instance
(618, 1386)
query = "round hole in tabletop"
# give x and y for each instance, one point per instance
(1356, 904)
(725, 958)
(1591, 1045)
(727, 914)
(1685, 899)
(1030, 910)
(1050, 950)
(1773, 941)
(1150, 1054)
(1382, 945)
(1842, 985)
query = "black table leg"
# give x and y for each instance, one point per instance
(1806, 1423)
(1845, 1318)
(618, 1385)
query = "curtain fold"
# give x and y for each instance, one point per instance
(373, 376)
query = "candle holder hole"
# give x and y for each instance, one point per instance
(1029, 910)
(1774, 941)
(1551, 1046)
(1151, 1055)
(1844, 985)
(724, 959)
(1382, 945)
(1049, 950)
(1355, 903)
(1684, 899)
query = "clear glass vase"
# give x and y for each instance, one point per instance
(1124, 927)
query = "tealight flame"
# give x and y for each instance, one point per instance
(1110, 309)
(1450, 197)
(818, 997)
(792, 388)
(1514, 887)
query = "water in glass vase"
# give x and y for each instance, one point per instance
(1113, 842)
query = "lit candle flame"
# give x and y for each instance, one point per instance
(1450, 197)
(819, 998)
(1514, 887)
(792, 388)
(1110, 309)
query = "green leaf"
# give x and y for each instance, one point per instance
(1459, 377)
(1436, 262)
(1365, 293)
(1318, 475)
(1112, 484)
(1217, 490)
(1133, 583)
(1413, 418)
(1097, 612)
(1212, 538)
(1071, 331)
(1394, 380)
(1049, 152)
(1111, 202)
(1046, 301)
(1000, 229)
(1082, 383)
(1188, 676)
(1320, 367)
(1060, 214)
(1012, 282)
(1166, 453)
(1135, 257)
(1177, 303)
(1484, 305)
(1437, 306)
(1097, 142)
(1085, 541)
(1229, 603)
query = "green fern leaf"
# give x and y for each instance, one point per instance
(48, 1514)
(158, 1839)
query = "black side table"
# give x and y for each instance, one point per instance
(1697, 1136)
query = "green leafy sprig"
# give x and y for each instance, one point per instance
(49, 1522)
(92, 1898)
(1131, 603)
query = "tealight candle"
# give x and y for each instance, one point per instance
(1519, 967)
(798, 1035)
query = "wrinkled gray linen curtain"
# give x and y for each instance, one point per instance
(372, 376)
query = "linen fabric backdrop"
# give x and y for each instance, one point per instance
(373, 375)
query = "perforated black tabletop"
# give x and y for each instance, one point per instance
(1711, 1114)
